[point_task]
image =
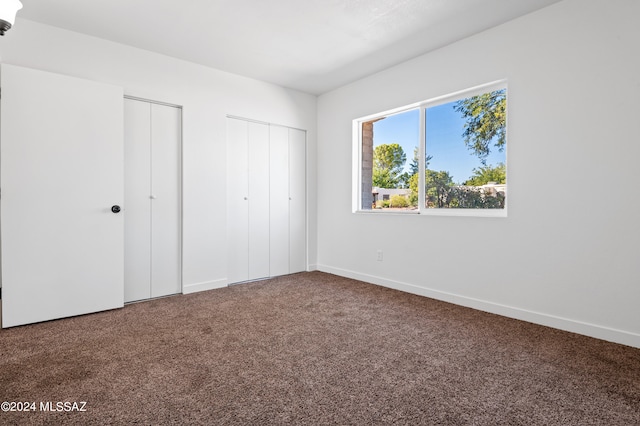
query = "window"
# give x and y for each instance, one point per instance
(442, 156)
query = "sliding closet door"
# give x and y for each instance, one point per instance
(61, 173)
(152, 194)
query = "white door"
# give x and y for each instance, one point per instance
(237, 201)
(166, 258)
(258, 200)
(248, 200)
(152, 200)
(297, 201)
(61, 161)
(279, 200)
(137, 200)
(266, 198)
(288, 200)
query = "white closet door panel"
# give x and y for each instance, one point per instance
(279, 200)
(237, 201)
(61, 172)
(258, 157)
(137, 205)
(165, 199)
(297, 202)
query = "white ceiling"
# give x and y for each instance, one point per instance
(310, 45)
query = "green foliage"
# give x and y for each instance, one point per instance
(485, 174)
(415, 162)
(471, 198)
(485, 117)
(442, 193)
(403, 180)
(382, 204)
(413, 187)
(414, 167)
(382, 178)
(388, 161)
(398, 201)
(437, 188)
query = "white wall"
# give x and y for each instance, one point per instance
(571, 257)
(206, 95)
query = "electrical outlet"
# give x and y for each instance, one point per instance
(379, 255)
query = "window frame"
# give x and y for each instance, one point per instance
(423, 106)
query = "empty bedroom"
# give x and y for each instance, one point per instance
(417, 212)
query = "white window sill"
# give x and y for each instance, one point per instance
(440, 212)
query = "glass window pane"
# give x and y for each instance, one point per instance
(466, 153)
(389, 160)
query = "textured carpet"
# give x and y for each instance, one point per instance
(313, 349)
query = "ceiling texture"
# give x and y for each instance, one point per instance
(310, 45)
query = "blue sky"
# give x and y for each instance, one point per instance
(444, 140)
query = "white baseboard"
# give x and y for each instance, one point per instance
(312, 267)
(204, 286)
(566, 324)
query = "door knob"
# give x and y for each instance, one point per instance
(115, 209)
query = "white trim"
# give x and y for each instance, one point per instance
(439, 212)
(388, 211)
(466, 93)
(150, 101)
(422, 157)
(356, 176)
(553, 321)
(465, 212)
(204, 286)
(251, 120)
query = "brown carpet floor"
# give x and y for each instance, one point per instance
(314, 349)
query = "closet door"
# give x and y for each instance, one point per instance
(258, 200)
(237, 200)
(248, 200)
(165, 197)
(266, 200)
(137, 176)
(288, 200)
(297, 201)
(279, 200)
(152, 194)
(61, 172)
